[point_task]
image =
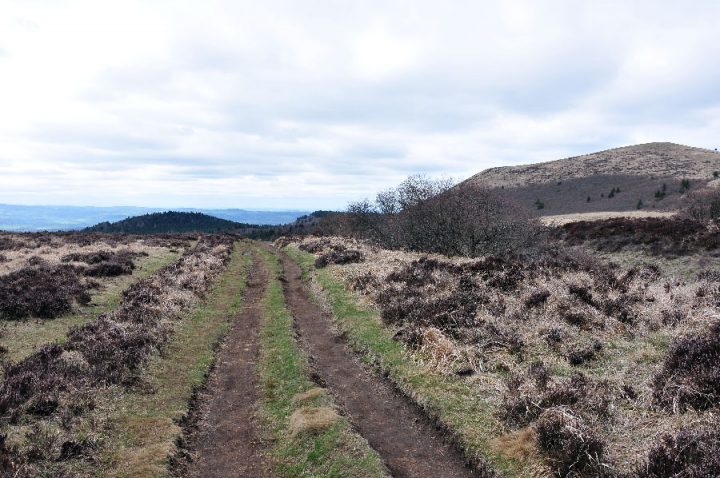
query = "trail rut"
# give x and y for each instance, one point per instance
(226, 443)
(406, 439)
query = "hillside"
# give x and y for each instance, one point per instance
(652, 173)
(170, 221)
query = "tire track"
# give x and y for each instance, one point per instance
(405, 438)
(226, 442)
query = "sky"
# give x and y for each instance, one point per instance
(311, 104)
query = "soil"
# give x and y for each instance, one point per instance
(227, 441)
(405, 438)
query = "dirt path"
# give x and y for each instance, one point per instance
(404, 437)
(226, 443)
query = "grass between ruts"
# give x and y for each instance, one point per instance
(143, 426)
(329, 451)
(22, 338)
(447, 399)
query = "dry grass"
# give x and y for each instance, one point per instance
(533, 328)
(311, 420)
(560, 219)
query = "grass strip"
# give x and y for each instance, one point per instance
(447, 399)
(143, 426)
(329, 449)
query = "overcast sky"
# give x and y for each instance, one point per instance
(309, 104)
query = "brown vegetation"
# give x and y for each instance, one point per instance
(577, 350)
(44, 397)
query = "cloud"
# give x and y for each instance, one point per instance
(290, 104)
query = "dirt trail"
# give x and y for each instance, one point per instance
(408, 443)
(226, 443)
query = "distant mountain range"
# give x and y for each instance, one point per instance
(63, 218)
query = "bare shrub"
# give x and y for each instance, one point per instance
(702, 206)
(689, 454)
(432, 216)
(690, 376)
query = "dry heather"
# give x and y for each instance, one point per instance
(44, 399)
(608, 369)
(20, 250)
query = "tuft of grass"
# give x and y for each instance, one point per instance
(454, 404)
(325, 445)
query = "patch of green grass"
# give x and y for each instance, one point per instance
(332, 451)
(22, 338)
(450, 400)
(143, 426)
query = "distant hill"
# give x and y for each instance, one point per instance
(167, 222)
(651, 175)
(62, 218)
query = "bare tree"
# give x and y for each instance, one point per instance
(422, 214)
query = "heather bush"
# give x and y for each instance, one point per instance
(688, 454)
(114, 350)
(315, 246)
(35, 383)
(339, 257)
(44, 291)
(660, 236)
(522, 406)
(579, 356)
(570, 446)
(690, 375)
(105, 263)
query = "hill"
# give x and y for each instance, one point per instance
(170, 221)
(653, 175)
(26, 218)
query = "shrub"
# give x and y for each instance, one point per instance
(339, 257)
(521, 408)
(537, 298)
(36, 382)
(690, 376)
(431, 216)
(689, 454)
(105, 263)
(110, 269)
(44, 291)
(570, 446)
(585, 354)
(115, 350)
(702, 205)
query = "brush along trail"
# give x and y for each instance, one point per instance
(226, 442)
(405, 438)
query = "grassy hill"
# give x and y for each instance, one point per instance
(612, 180)
(170, 221)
